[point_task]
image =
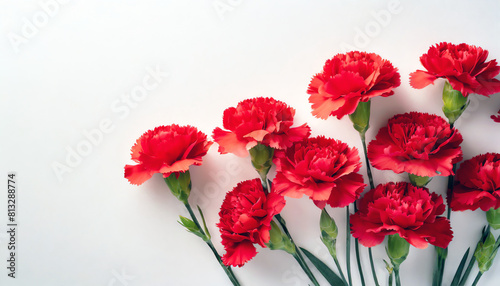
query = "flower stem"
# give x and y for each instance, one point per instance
(340, 269)
(372, 186)
(358, 259)
(227, 269)
(298, 256)
(396, 275)
(348, 245)
(367, 162)
(478, 276)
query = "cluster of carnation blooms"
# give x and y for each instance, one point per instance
(327, 171)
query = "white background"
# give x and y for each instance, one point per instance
(64, 74)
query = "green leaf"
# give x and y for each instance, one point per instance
(204, 223)
(328, 273)
(460, 269)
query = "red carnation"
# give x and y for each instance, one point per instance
(323, 169)
(258, 120)
(401, 208)
(464, 66)
(245, 220)
(348, 79)
(166, 150)
(417, 143)
(477, 184)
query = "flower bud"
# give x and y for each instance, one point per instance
(361, 117)
(493, 217)
(454, 103)
(486, 251)
(180, 185)
(329, 232)
(262, 159)
(397, 249)
(419, 181)
(279, 241)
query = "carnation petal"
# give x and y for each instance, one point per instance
(137, 174)
(421, 79)
(239, 254)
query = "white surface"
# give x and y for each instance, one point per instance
(69, 75)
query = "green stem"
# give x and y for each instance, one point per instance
(227, 269)
(298, 256)
(374, 273)
(396, 274)
(340, 269)
(358, 259)
(348, 245)
(390, 279)
(478, 276)
(372, 186)
(367, 162)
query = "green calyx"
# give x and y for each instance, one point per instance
(493, 217)
(180, 185)
(361, 117)
(454, 103)
(486, 251)
(329, 232)
(279, 241)
(419, 181)
(262, 159)
(397, 249)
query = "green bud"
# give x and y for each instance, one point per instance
(279, 241)
(397, 249)
(262, 159)
(454, 103)
(191, 227)
(179, 186)
(327, 225)
(486, 251)
(493, 217)
(419, 181)
(361, 117)
(329, 232)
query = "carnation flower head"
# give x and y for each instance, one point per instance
(401, 208)
(421, 144)
(464, 66)
(477, 184)
(245, 220)
(322, 168)
(258, 120)
(349, 78)
(166, 150)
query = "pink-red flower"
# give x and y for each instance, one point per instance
(323, 169)
(401, 208)
(166, 149)
(417, 143)
(464, 66)
(348, 79)
(477, 184)
(245, 220)
(258, 120)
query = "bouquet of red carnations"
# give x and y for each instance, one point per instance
(327, 170)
